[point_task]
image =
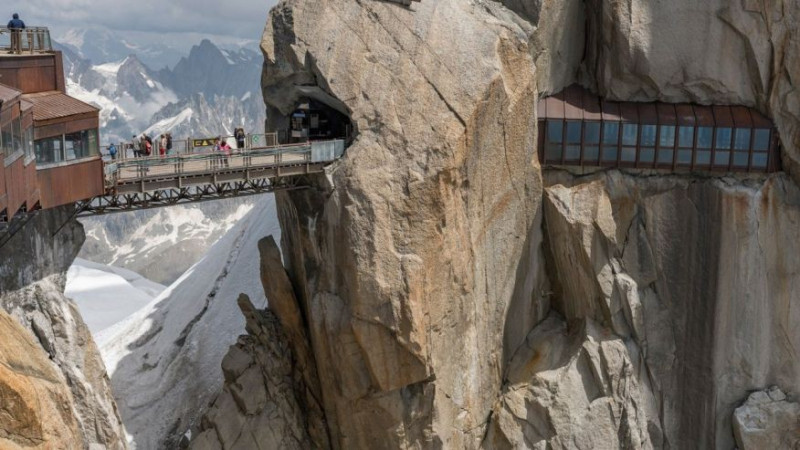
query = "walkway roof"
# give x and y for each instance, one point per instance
(52, 105)
(578, 103)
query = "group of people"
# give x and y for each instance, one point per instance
(144, 146)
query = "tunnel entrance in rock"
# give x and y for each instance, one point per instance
(313, 120)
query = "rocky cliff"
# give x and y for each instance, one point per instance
(453, 295)
(60, 386)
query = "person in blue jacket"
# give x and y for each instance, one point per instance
(15, 25)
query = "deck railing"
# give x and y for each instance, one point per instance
(205, 163)
(30, 40)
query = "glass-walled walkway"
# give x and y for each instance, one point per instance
(577, 127)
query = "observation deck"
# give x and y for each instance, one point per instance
(30, 40)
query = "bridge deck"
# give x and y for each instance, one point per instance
(160, 181)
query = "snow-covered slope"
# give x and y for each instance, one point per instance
(164, 361)
(106, 295)
(161, 244)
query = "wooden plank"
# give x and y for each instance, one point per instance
(70, 183)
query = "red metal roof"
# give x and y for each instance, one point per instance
(56, 105)
(577, 103)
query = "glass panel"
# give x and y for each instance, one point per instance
(665, 156)
(81, 144)
(685, 157)
(17, 134)
(761, 141)
(611, 133)
(591, 153)
(686, 137)
(722, 158)
(741, 139)
(667, 137)
(703, 158)
(574, 132)
(555, 129)
(648, 136)
(5, 137)
(704, 137)
(573, 152)
(760, 160)
(629, 134)
(723, 140)
(628, 154)
(49, 150)
(591, 132)
(609, 154)
(29, 142)
(741, 159)
(553, 152)
(647, 155)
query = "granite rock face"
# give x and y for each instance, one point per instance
(454, 296)
(36, 403)
(407, 271)
(35, 261)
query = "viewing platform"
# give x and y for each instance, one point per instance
(32, 40)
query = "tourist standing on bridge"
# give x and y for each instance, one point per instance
(226, 151)
(16, 25)
(169, 143)
(162, 145)
(112, 150)
(240, 138)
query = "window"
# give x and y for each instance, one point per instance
(722, 146)
(28, 143)
(81, 144)
(6, 138)
(666, 144)
(610, 141)
(573, 140)
(761, 140)
(686, 138)
(591, 139)
(49, 150)
(555, 132)
(647, 144)
(705, 135)
(629, 136)
(741, 147)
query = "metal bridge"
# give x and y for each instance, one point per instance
(142, 183)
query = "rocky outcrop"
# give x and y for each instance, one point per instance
(35, 261)
(35, 412)
(767, 420)
(257, 408)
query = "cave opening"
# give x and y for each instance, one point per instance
(313, 120)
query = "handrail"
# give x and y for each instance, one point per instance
(29, 40)
(212, 163)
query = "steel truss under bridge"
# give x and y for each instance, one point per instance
(175, 196)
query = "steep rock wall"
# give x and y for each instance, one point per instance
(32, 276)
(407, 271)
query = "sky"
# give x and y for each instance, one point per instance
(232, 19)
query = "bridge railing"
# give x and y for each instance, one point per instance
(174, 166)
(191, 146)
(27, 41)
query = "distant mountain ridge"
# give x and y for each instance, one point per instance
(211, 91)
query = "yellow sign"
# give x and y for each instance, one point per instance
(203, 142)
